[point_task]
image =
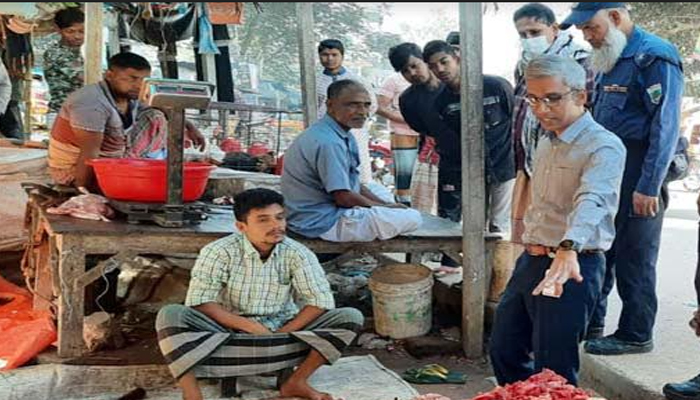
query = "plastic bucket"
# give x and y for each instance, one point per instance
(402, 300)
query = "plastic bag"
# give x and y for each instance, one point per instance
(24, 333)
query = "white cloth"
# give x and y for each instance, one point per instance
(365, 224)
(500, 199)
(5, 88)
(380, 191)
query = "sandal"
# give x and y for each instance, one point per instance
(433, 373)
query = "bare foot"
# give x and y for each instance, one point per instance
(302, 389)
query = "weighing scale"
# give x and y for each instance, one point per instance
(172, 97)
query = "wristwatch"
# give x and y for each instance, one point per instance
(568, 244)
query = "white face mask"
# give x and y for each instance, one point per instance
(533, 47)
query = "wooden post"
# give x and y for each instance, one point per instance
(209, 69)
(71, 301)
(473, 182)
(307, 61)
(27, 97)
(93, 42)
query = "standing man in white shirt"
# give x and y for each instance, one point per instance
(404, 140)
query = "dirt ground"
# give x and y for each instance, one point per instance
(477, 372)
(142, 349)
(146, 352)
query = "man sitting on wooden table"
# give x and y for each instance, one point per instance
(106, 120)
(240, 317)
(321, 181)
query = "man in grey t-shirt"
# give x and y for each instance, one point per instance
(106, 120)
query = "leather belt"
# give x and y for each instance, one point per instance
(538, 250)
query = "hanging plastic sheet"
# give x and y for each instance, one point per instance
(206, 34)
(24, 9)
(225, 13)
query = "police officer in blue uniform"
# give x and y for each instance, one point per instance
(638, 97)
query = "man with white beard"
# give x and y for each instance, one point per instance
(638, 97)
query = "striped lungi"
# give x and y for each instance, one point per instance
(189, 339)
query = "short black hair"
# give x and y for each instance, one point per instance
(437, 46)
(331, 44)
(69, 16)
(399, 55)
(252, 199)
(128, 60)
(337, 87)
(453, 38)
(537, 11)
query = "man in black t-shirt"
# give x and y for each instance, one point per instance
(443, 60)
(417, 108)
(416, 102)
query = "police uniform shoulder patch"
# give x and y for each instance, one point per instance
(644, 60)
(655, 93)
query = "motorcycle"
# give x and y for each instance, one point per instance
(382, 162)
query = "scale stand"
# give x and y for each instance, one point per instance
(162, 214)
(173, 97)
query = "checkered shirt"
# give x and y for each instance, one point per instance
(230, 272)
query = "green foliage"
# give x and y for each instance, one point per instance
(680, 24)
(269, 39)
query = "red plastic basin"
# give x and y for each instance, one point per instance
(143, 180)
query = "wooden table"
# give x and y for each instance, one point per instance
(60, 245)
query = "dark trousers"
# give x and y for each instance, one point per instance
(550, 328)
(449, 206)
(11, 122)
(632, 262)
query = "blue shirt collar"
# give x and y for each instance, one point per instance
(328, 120)
(342, 71)
(633, 43)
(572, 132)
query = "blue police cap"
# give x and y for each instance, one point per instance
(583, 12)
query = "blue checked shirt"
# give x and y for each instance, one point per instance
(576, 187)
(229, 272)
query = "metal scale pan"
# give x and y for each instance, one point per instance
(173, 97)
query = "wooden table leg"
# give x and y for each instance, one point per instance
(43, 288)
(71, 304)
(415, 258)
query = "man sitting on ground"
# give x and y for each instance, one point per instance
(241, 299)
(321, 179)
(105, 120)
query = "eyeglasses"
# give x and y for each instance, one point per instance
(549, 100)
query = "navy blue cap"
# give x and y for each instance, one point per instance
(583, 12)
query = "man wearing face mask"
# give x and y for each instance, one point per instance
(539, 34)
(638, 97)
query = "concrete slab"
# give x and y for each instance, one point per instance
(676, 356)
